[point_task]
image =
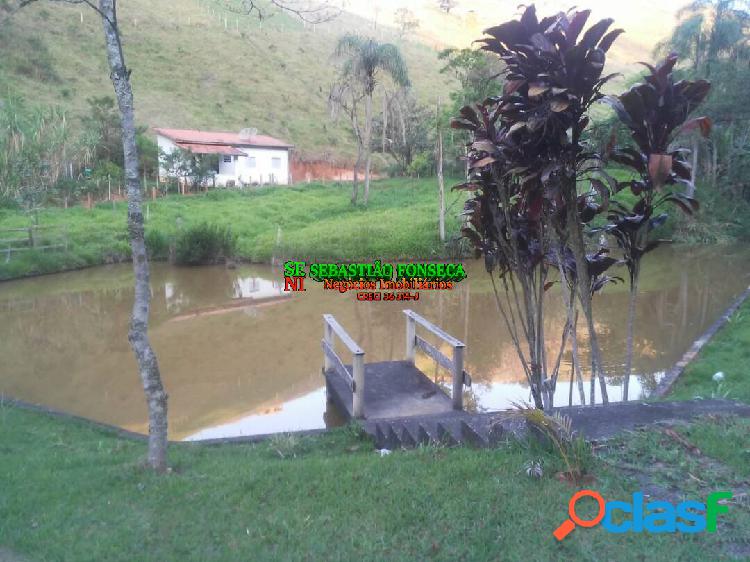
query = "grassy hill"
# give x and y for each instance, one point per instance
(196, 65)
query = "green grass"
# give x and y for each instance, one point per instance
(728, 352)
(74, 492)
(314, 221)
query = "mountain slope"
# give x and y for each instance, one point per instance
(195, 65)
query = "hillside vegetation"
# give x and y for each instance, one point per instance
(197, 65)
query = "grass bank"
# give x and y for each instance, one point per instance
(729, 353)
(308, 221)
(73, 492)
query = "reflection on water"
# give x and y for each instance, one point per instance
(240, 356)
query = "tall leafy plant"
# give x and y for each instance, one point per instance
(655, 112)
(526, 160)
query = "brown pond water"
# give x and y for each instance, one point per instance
(235, 362)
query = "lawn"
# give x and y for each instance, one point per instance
(729, 353)
(306, 221)
(74, 492)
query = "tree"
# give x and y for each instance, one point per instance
(406, 128)
(527, 158)
(364, 62)
(714, 37)
(347, 97)
(197, 169)
(103, 121)
(655, 112)
(406, 21)
(148, 367)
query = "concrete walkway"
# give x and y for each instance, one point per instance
(491, 428)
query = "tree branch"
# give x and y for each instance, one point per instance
(306, 10)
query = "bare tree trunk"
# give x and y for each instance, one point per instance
(148, 366)
(583, 280)
(368, 147)
(629, 338)
(576, 361)
(441, 183)
(355, 186)
(385, 117)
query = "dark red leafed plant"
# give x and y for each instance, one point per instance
(655, 112)
(526, 159)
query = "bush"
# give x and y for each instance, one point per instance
(157, 245)
(205, 244)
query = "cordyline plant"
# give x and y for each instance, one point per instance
(528, 159)
(655, 112)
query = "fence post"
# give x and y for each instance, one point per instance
(328, 338)
(458, 377)
(411, 333)
(358, 396)
(31, 237)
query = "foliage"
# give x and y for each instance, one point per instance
(198, 169)
(103, 122)
(157, 244)
(714, 38)
(422, 165)
(526, 157)
(654, 112)
(555, 432)
(408, 129)
(34, 147)
(205, 244)
(365, 60)
(479, 77)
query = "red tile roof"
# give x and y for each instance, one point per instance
(191, 136)
(210, 148)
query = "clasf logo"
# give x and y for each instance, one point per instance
(654, 517)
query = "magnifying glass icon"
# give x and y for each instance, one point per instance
(569, 524)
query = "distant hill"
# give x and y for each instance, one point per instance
(196, 65)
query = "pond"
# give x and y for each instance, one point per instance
(239, 356)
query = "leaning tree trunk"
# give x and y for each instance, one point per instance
(368, 147)
(148, 366)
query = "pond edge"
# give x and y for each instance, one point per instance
(673, 374)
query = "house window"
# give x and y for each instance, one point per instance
(227, 159)
(251, 162)
(276, 163)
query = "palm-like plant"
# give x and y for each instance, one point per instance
(365, 61)
(655, 112)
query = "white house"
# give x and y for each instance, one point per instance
(245, 158)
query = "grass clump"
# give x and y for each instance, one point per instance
(205, 244)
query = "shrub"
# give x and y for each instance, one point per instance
(157, 245)
(205, 244)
